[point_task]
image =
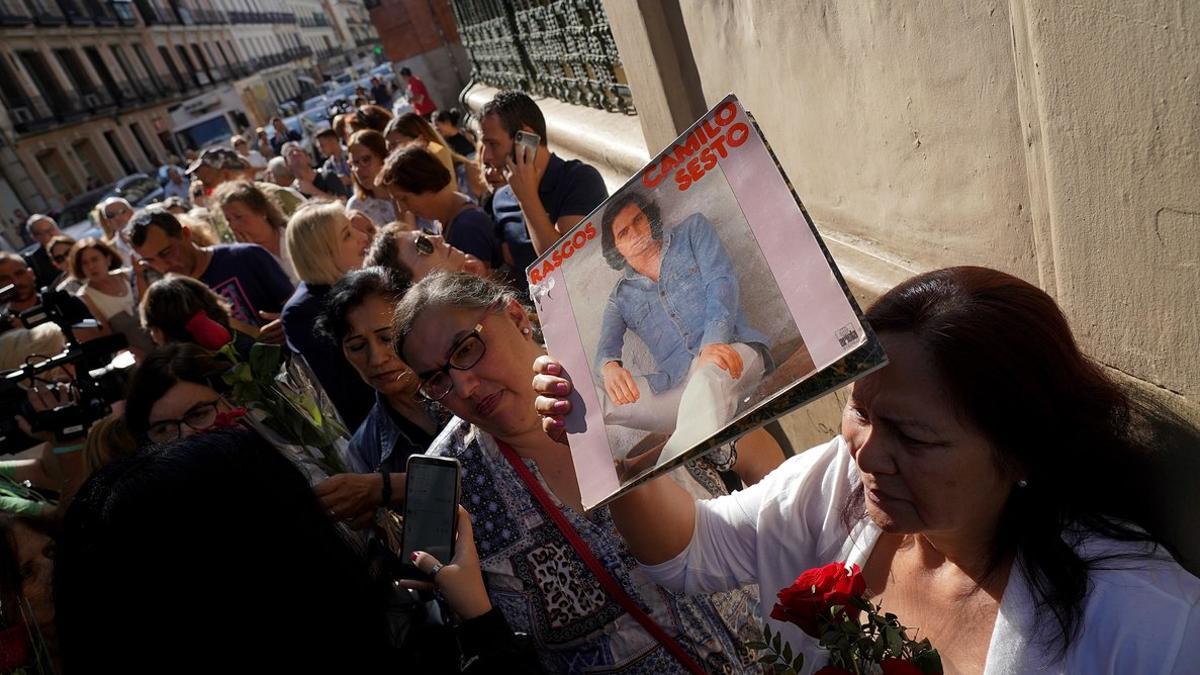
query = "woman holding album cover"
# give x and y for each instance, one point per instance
(679, 293)
(975, 482)
(564, 578)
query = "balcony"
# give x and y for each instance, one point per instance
(76, 13)
(14, 13)
(123, 9)
(156, 13)
(209, 17)
(45, 13)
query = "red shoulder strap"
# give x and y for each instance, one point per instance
(610, 585)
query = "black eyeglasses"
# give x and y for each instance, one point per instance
(424, 245)
(198, 418)
(464, 355)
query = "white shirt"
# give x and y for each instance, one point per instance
(1141, 618)
(380, 211)
(256, 160)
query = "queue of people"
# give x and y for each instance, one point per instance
(391, 267)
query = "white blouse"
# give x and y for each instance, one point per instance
(1143, 616)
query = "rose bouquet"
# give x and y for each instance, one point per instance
(282, 400)
(826, 603)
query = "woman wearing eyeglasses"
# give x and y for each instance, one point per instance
(358, 317)
(171, 394)
(60, 257)
(564, 578)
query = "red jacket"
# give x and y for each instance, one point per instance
(419, 96)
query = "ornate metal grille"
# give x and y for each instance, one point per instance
(558, 48)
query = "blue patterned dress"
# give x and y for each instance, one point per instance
(544, 589)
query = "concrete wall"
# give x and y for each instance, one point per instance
(1055, 141)
(423, 36)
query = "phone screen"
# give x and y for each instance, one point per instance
(430, 507)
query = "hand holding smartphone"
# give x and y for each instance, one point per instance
(527, 142)
(432, 492)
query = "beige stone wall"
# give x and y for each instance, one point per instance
(1056, 141)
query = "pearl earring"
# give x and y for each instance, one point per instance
(525, 331)
(1022, 483)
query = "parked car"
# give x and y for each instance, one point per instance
(75, 218)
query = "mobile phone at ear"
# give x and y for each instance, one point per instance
(432, 492)
(529, 140)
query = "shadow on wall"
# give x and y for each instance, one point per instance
(1162, 491)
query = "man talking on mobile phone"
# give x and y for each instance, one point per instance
(546, 195)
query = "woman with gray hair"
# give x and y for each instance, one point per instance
(324, 245)
(471, 343)
(279, 173)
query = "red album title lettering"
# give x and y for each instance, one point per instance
(698, 153)
(564, 251)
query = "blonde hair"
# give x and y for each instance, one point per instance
(311, 239)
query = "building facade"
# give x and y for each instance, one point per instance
(422, 35)
(91, 90)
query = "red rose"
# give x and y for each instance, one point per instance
(894, 666)
(207, 333)
(833, 670)
(14, 648)
(814, 592)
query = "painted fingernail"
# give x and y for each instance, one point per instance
(561, 388)
(553, 368)
(559, 405)
(413, 557)
(556, 423)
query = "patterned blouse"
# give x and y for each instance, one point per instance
(544, 589)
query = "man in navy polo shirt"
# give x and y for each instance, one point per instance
(546, 196)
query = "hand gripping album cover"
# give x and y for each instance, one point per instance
(695, 304)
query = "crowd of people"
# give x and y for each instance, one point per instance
(967, 480)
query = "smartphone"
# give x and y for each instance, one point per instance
(529, 140)
(432, 491)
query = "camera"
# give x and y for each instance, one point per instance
(98, 376)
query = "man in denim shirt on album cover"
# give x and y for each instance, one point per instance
(679, 294)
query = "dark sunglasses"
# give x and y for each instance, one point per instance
(424, 245)
(60, 258)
